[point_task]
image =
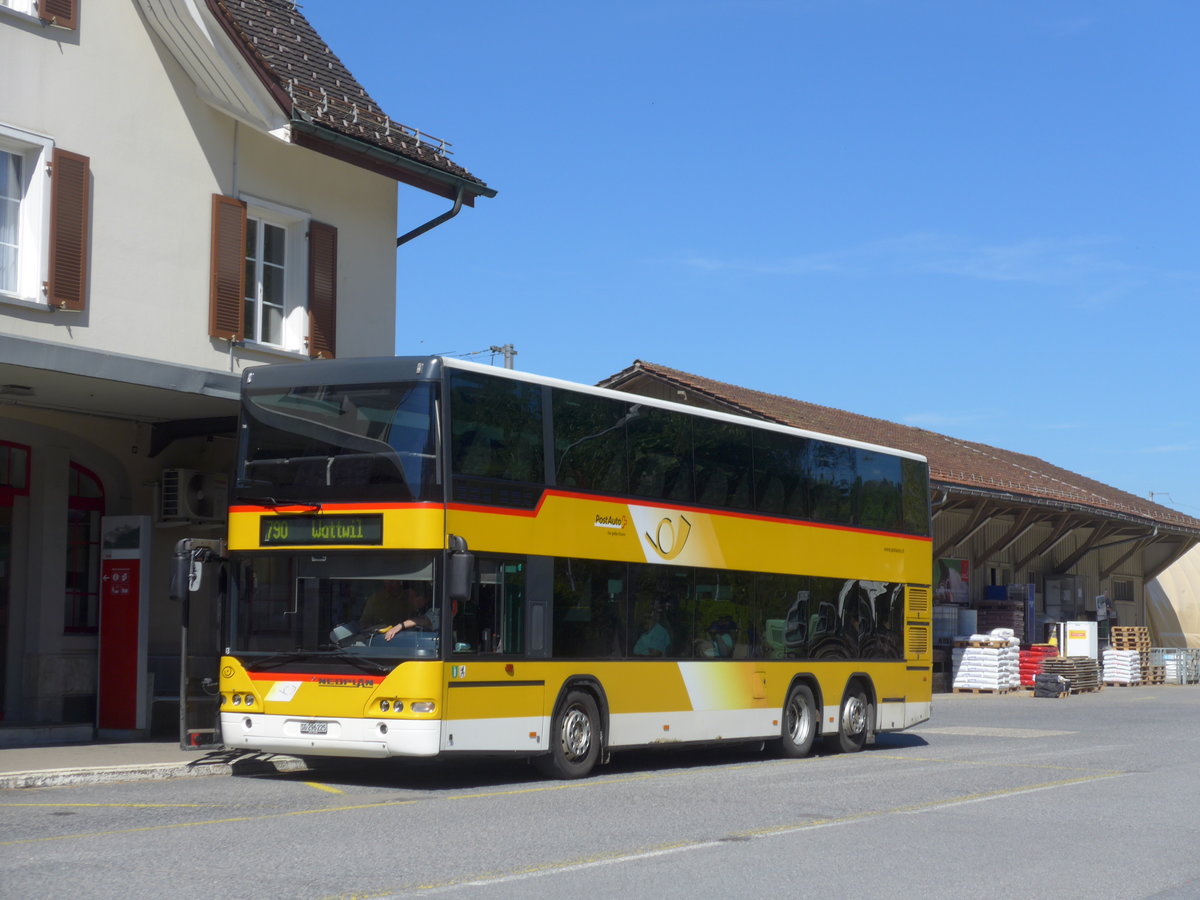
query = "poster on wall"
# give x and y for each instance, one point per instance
(952, 580)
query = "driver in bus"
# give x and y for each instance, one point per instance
(420, 613)
(404, 603)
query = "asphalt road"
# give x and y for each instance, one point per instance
(1095, 795)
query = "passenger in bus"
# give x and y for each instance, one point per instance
(655, 639)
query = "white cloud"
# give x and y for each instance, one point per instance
(1079, 262)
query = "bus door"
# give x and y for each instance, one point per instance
(493, 697)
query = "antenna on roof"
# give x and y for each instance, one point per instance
(508, 350)
(1154, 494)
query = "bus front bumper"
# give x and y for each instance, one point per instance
(376, 738)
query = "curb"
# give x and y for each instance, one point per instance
(252, 765)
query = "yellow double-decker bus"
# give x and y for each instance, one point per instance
(430, 557)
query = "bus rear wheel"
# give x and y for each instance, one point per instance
(854, 720)
(799, 723)
(574, 738)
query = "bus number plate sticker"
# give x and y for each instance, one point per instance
(314, 728)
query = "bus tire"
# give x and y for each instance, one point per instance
(854, 719)
(574, 738)
(799, 723)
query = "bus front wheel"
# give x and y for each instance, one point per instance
(854, 720)
(574, 738)
(799, 723)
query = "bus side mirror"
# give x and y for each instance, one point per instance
(460, 575)
(181, 575)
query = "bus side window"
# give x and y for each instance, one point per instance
(493, 621)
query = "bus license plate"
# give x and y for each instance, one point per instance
(314, 728)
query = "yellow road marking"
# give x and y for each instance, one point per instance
(574, 785)
(324, 787)
(687, 846)
(382, 804)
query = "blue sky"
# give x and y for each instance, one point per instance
(971, 216)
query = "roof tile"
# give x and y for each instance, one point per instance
(319, 85)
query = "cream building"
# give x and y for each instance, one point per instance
(187, 188)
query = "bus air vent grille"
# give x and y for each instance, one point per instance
(918, 602)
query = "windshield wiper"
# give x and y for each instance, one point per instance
(368, 665)
(272, 503)
(281, 659)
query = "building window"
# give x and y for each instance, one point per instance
(12, 182)
(274, 277)
(1122, 591)
(85, 506)
(23, 214)
(266, 281)
(63, 13)
(43, 221)
(28, 7)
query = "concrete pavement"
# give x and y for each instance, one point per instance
(97, 762)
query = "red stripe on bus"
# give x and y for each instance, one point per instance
(311, 676)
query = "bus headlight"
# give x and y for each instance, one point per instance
(237, 699)
(249, 699)
(422, 706)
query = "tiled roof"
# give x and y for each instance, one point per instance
(311, 83)
(952, 462)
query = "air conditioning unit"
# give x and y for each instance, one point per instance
(190, 496)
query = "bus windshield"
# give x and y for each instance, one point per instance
(333, 442)
(296, 607)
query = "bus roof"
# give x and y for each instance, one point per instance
(383, 369)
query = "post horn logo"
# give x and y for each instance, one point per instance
(668, 541)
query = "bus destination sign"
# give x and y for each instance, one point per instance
(307, 531)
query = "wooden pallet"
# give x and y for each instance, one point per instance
(1131, 631)
(1082, 672)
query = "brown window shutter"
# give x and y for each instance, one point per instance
(63, 13)
(227, 277)
(69, 190)
(322, 290)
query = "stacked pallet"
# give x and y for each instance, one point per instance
(1122, 667)
(1136, 639)
(987, 663)
(1031, 662)
(1005, 614)
(1082, 672)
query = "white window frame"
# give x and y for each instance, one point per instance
(33, 256)
(294, 222)
(20, 7)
